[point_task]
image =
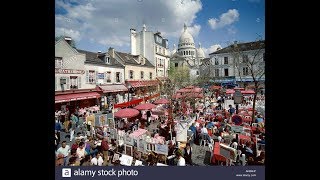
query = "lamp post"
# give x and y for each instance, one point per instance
(129, 89)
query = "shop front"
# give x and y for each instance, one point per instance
(112, 94)
(72, 100)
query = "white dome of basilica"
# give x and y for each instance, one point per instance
(186, 38)
(200, 52)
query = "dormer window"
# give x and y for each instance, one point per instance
(107, 60)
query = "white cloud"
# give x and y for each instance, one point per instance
(211, 49)
(109, 23)
(258, 20)
(68, 32)
(194, 30)
(225, 19)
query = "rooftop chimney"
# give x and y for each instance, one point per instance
(68, 40)
(111, 52)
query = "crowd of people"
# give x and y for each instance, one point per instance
(211, 122)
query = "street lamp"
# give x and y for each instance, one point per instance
(129, 89)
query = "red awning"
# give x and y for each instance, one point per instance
(113, 88)
(230, 91)
(143, 83)
(126, 104)
(75, 97)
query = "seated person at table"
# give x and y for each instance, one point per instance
(260, 159)
(86, 161)
(187, 154)
(204, 133)
(81, 151)
(247, 150)
(73, 153)
(93, 146)
(180, 160)
(63, 152)
(210, 124)
(193, 128)
(259, 120)
(73, 162)
(97, 160)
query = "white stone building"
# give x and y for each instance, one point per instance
(187, 54)
(69, 67)
(231, 65)
(70, 87)
(153, 47)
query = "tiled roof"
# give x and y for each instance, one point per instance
(98, 58)
(132, 59)
(242, 47)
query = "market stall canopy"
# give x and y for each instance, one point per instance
(250, 91)
(162, 101)
(145, 106)
(126, 113)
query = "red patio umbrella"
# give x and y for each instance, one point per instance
(126, 113)
(145, 106)
(230, 91)
(162, 101)
(248, 92)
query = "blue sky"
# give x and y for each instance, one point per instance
(96, 25)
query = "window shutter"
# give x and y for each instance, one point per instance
(79, 82)
(115, 77)
(105, 77)
(68, 82)
(87, 77)
(55, 83)
(120, 77)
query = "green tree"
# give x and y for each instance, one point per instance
(250, 62)
(179, 76)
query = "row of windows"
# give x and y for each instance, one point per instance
(68, 82)
(131, 75)
(186, 53)
(92, 77)
(160, 62)
(245, 72)
(186, 44)
(245, 59)
(160, 50)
